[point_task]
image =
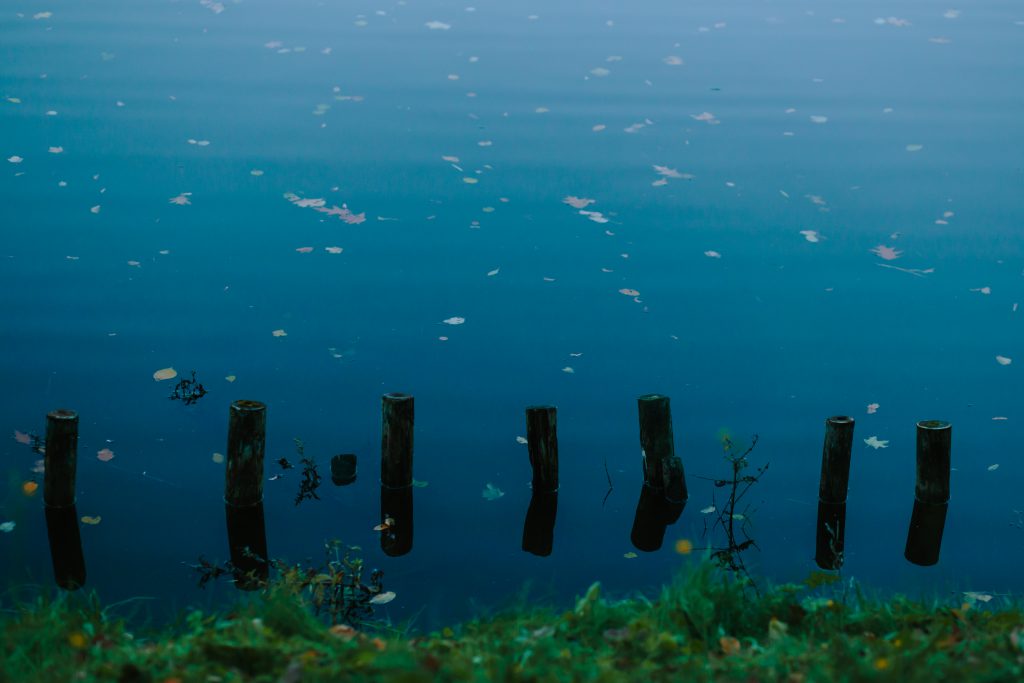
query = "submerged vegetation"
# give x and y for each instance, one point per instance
(703, 626)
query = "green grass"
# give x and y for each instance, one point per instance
(704, 626)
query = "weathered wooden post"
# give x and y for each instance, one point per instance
(243, 494)
(542, 444)
(663, 474)
(247, 433)
(343, 469)
(63, 533)
(832, 491)
(396, 500)
(835, 459)
(396, 440)
(60, 459)
(931, 492)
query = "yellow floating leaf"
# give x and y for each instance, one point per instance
(91, 520)
(684, 546)
(218, 458)
(230, 378)
(165, 373)
(630, 555)
(279, 333)
(29, 488)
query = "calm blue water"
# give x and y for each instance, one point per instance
(818, 140)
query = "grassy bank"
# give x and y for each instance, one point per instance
(704, 626)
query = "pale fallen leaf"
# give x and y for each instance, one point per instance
(217, 458)
(819, 119)
(437, 25)
(165, 373)
(7, 527)
(568, 370)
(577, 202)
(630, 555)
(708, 510)
(454, 320)
(873, 408)
(521, 440)
(333, 250)
(993, 468)
(230, 378)
(712, 254)
(1003, 360)
(811, 235)
(279, 333)
(887, 253)
(382, 598)
(304, 250)
(876, 443)
(181, 200)
(105, 455)
(93, 521)
(492, 492)
(629, 292)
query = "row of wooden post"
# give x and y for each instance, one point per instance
(662, 498)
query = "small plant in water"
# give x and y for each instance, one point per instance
(310, 475)
(335, 589)
(730, 517)
(188, 391)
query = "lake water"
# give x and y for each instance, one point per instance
(772, 212)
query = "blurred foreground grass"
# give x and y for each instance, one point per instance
(704, 626)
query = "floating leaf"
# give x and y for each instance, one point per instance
(29, 488)
(1003, 360)
(382, 598)
(630, 555)
(492, 492)
(817, 579)
(419, 484)
(105, 455)
(279, 333)
(873, 408)
(22, 437)
(629, 292)
(454, 320)
(708, 510)
(7, 527)
(993, 468)
(165, 373)
(91, 520)
(521, 440)
(230, 378)
(684, 546)
(217, 458)
(876, 443)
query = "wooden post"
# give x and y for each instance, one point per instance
(396, 441)
(835, 459)
(60, 459)
(662, 469)
(931, 492)
(247, 433)
(934, 439)
(655, 436)
(542, 444)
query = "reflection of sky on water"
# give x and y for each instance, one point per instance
(796, 213)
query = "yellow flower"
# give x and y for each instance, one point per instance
(684, 546)
(77, 640)
(881, 664)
